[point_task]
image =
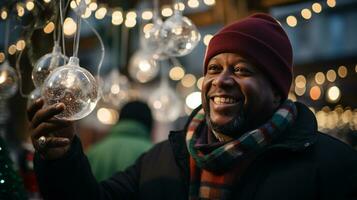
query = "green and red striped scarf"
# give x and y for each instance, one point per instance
(213, 173)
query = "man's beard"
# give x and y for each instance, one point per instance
(233, 128)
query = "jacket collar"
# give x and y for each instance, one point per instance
(302, 134)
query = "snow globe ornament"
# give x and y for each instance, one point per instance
(179, 35)
(46, 64)
(73, 86)
(8, 81)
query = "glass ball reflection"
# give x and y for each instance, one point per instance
(75, 87)
(8, 81)
(33, 96)
(46, 64)
(179, 35)
(153, 41)
(165, 104)
(142, 67)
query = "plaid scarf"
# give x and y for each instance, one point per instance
(213, 173)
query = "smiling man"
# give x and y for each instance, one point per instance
(247, 141)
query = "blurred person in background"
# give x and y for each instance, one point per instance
(127, 140)
(246, 141)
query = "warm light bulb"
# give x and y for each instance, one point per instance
(2, 57)
(193, 100)
(179, 6)
(30, 5)
(177, 73)
(188, 80)
(320, 78)
(331, 3)
(316, 7)
(147, 15)
(100, 13)
(291, 21)
(20, 10)
(306, 13)
(199, 83)
(69, 26)
(342, 71)
(209, 2)
(207, 38)
(117, 17)
(300, 81)
(193, 3)
(166, 11)
(333, 94)
(131, 15)
(12, 49)
(93, 6)
(49, 28)
(3, 14)
(20, 45)
(130, 23)
(331, 75)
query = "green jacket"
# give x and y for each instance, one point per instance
(124, 144)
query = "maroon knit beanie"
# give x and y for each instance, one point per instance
(263, 41)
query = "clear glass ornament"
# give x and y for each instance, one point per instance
(165, 103)
(143, 67)
(8, 81)
(75, 87)
(153, 42)
(115, 88)
(46, 64)
(33, 96)
(179, 35)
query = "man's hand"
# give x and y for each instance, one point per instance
(51, 137)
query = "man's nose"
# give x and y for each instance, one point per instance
(224, 79)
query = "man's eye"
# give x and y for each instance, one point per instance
(213, 68)
(241, 70)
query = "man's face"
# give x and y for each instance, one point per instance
(236, 96)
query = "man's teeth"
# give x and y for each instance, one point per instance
(224, 100)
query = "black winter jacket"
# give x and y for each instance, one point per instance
(302, 164)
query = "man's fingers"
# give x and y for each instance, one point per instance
(31, 111)
(48, 127)
(54, 142)
(46, 114)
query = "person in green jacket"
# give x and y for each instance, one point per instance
(127, 140)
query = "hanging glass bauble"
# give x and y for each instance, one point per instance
(142, 67)
(179, 35)
(46, 64)
(33, 96)
(8, 81)
(153, 42)
(115, 88)
(165, 104)
(75, 87)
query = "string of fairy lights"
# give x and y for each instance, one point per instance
(100, 12)
(307, 12)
